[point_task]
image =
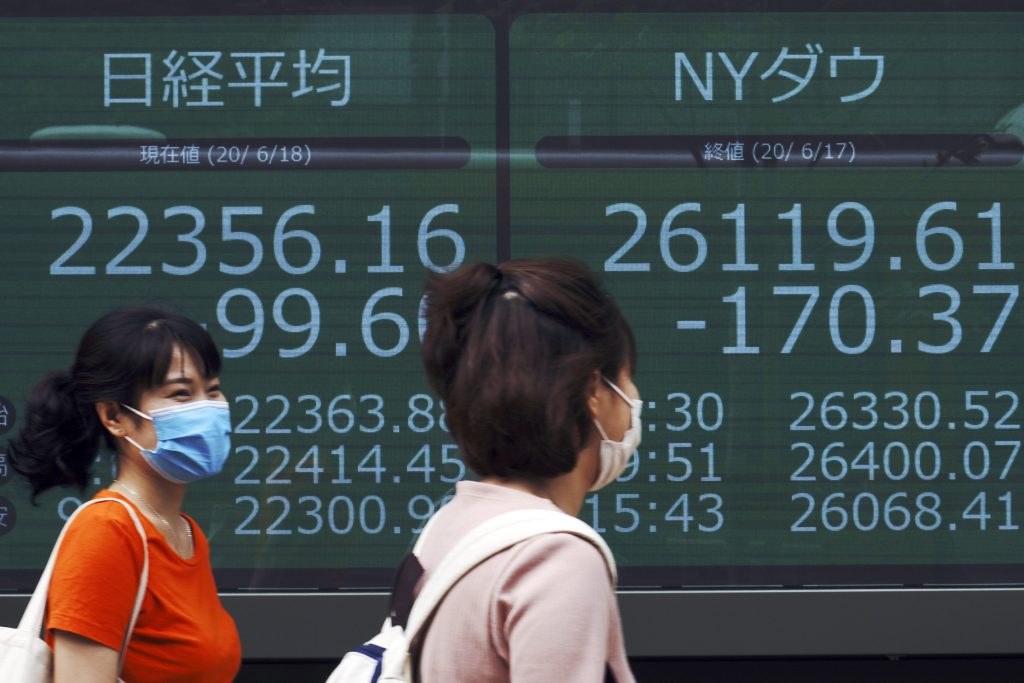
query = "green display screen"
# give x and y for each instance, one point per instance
(299, 231)
(812, 222)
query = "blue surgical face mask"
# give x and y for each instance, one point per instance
(192, 440)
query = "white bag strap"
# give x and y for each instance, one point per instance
(32, 619)
(487, 539)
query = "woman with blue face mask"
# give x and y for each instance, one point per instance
(145, 383)
(533, 360)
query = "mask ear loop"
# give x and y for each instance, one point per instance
(137, 412)
(635, 406)
(130, 439)
(633, 402)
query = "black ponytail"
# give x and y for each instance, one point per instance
(121, 355)
(59, 441)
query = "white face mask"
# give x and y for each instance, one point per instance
(615, 454)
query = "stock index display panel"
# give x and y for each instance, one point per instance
(811, 221)
(814, 224)
(286, 181)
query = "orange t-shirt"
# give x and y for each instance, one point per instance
(183, 634)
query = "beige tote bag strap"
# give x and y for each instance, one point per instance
(32, 619)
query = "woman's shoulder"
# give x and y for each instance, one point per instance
(553, 566)
(104, 523)
(109, 506)
(101, 550)
(555, 574)
(562, 551)
(474, 503)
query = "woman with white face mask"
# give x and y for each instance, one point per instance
(145, 382)
(533, 360)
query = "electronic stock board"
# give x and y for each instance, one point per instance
(812, 221)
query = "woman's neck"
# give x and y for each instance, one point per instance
(163, 496)
(566, 491)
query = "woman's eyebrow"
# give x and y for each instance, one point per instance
(179, 380)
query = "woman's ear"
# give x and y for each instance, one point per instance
(593, 393)
(111, 417)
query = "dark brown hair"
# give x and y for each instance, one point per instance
(512, 350)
